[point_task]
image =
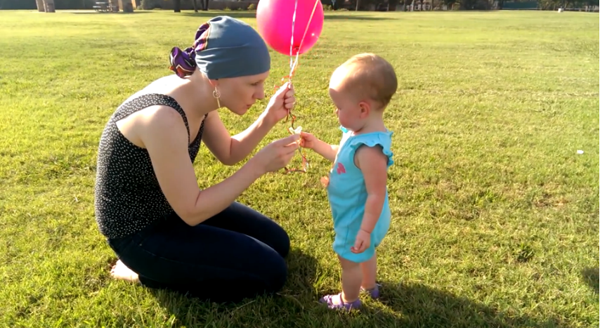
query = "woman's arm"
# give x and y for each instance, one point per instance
(230, 150)
(165, 137)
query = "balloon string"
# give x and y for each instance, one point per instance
(305, 162)
(306, 29)
(294, 64)
(292, 36)
(293, 67)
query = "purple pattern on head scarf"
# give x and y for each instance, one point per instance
(183, 62)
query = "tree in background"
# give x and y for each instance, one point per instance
(49, 6)
(203, 5)
(40, 5)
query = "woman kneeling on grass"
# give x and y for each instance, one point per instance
(167, 232)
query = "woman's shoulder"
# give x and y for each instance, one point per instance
(160, 86)
(158, 112)
(155, 101)
(151, 110)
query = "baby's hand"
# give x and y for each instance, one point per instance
(362, 242)
(307, 140)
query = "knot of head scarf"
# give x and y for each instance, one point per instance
(223, 47)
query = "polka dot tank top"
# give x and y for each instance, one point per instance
(128, 197)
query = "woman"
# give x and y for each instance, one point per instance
(167, 232)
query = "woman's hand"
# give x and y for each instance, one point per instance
(276, 155)
(281, 103)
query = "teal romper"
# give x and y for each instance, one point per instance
(347, 195)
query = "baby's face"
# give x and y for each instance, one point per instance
(347, 109)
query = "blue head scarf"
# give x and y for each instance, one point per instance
(224, 47)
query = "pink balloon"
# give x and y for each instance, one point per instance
(274, 19)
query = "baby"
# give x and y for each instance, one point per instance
(361, 89)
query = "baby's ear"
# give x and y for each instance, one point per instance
(365, 108)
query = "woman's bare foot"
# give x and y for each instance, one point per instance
(121, 271)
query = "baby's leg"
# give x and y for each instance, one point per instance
(369, 273)
(369, 281)
(351, 280)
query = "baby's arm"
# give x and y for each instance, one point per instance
(373, 164)
(326, 150)
(322, 148)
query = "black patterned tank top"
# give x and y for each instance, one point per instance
(127, 195)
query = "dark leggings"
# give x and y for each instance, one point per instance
(237, 253)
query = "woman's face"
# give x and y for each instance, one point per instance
(238, 94)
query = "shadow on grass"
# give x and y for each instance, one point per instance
(191, 311)
(211, 14)
(422, 306)
(238, 14)
(590, 276)
(91, 12)
(357, 17)
(401, 305)
(252, 14)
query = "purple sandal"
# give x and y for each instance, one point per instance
(329, 300)
(373, 292)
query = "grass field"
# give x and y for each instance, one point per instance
(495, 213)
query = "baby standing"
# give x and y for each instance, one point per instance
(361, 88)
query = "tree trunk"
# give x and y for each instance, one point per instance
(40, 5)
(195, 6)
(128, 6)
(177, 6)
(357, 1)
(49, 6)
(205, 5)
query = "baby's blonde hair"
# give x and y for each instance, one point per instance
(369, 75)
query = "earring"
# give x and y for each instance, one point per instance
(217, 95)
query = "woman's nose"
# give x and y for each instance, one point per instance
(260, 94)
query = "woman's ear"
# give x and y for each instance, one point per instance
(213, 83)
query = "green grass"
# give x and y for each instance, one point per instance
(495, 214)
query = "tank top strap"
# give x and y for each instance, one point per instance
(144, 101)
